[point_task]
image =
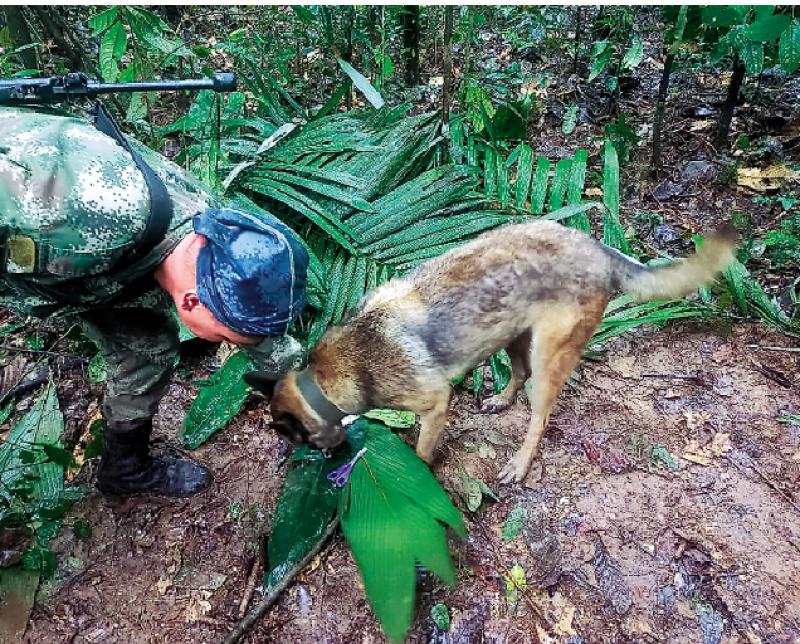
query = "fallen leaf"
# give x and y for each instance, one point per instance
(695, 419)
(593, 192)
(696, 457)
(564, 625)
(721, 444)
(763, 179)
(163, 584)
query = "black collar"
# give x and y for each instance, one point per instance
(317, 400)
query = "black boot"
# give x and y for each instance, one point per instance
(127, 468)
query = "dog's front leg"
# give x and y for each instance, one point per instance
(432, 423)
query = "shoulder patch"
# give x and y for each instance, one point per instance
(21, 254)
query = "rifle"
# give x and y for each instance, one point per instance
(58, 89)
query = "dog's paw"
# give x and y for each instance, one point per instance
(494, 405)
(515, 470)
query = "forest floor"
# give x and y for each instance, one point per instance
(662, 508)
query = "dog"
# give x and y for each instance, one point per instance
(538, 290)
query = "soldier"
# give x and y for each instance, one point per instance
(98, 227)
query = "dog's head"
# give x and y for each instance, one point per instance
(292, 416)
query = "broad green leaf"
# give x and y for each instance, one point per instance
(752, 55)
(719, 16)
(767, 28)
(103, 20)
(601, 54)
(217, 402)
(500, 364)
(112, 47)
(305, 508)
(392, 510)
(11, 328)
(634, 56)
(503, 185)
(304, 14)
(513, 524)
(366, 88)
(570, 120)
(789, 48)
(660, 454)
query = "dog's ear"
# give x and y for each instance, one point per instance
(291, 429)
(262, 382)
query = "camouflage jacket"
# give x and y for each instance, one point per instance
(71, 201)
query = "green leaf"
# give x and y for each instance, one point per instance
(524, 173)
(391, 510)
(97, 370)
(789, 48)
(305, 508)
(767, 28)
(539, 185)
(570, 120)
(364, 86)
(58, 455)
(500, 364)
(601, 54)
(719, 16)
(558, 189)
(515, 582)
(393, 418)
(660, 454)
(304, 14)
(441, 616)
(613, 233)
(217, 402)
(752, 55)
(112, 47)
(474, 490)
(6, 410)
(103, 20)
(634, 56)
(790, 419)
(82, 529)
(39, 559)
(512, 526)
(11, 328)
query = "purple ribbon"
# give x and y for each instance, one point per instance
(341, 474)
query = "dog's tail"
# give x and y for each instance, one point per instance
(675, 280)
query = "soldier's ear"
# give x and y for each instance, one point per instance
(262, 382)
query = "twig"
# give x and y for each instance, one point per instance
(767, 348)
(248, 591)
(57, 354)
(766, 480)
(5, 396)
(259, 609)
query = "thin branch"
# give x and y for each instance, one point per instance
(259, 609)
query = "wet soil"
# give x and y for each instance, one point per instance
(617, 546)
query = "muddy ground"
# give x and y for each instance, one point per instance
(617, 546)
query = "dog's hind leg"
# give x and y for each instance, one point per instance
(559, 339)
(432, 423)
(519, 352)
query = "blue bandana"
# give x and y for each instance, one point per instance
(251, 273)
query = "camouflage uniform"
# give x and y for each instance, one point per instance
(71, 202)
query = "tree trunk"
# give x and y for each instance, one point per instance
(577, 38)
(410, 22)
(67, 43)
(20, 34)
(731, 100)
(447, 63)
(658, 118)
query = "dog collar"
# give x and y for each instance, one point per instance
(317, 400)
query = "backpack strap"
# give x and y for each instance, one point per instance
(161, 208)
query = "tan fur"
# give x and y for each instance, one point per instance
(537, 289)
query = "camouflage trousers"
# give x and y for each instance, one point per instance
(140, 347)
